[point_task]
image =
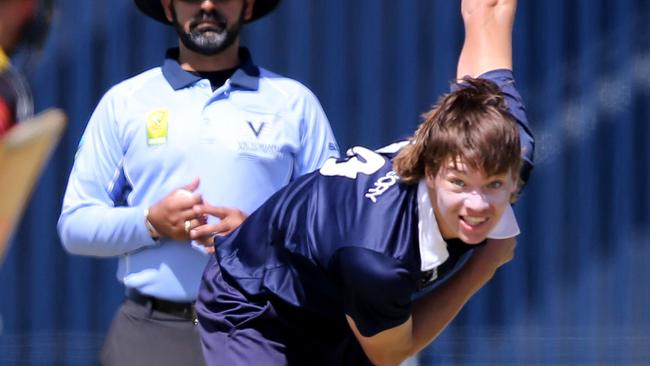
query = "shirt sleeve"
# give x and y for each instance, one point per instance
(317, 142)
(377, 290)
(95, 220)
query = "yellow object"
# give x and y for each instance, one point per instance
(157, 126)
(4, 60)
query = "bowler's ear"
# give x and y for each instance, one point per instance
(519, 185)
(248, 12)
(167, 7)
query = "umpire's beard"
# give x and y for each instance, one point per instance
(208, 41)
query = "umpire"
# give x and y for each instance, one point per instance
(210, 116)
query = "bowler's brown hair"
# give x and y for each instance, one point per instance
(472, 123)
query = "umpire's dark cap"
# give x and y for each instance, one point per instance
(154, 9)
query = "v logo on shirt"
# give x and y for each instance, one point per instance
(257, 130)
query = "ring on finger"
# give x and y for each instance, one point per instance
(187, 225)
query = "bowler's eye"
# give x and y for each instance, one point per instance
(495, 184)
(457, 182)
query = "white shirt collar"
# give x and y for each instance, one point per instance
(433, 248)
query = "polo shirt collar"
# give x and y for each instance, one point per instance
(433, 248)
(246, 76)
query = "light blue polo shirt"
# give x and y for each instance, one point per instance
(156, 132)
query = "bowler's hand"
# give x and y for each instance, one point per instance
(169, 215)
(230, 219)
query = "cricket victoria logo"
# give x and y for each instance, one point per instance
(381, 185)
(257, 130)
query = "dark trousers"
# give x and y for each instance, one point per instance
(142, 336)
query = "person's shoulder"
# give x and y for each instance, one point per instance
(286, 86)
(136, 83)
(501, 77)
(392, 150)
(365, 175)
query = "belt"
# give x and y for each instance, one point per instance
(181, 309)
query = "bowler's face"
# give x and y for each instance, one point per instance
(468, 204)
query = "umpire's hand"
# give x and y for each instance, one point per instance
(230, 219)
(175, 214)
